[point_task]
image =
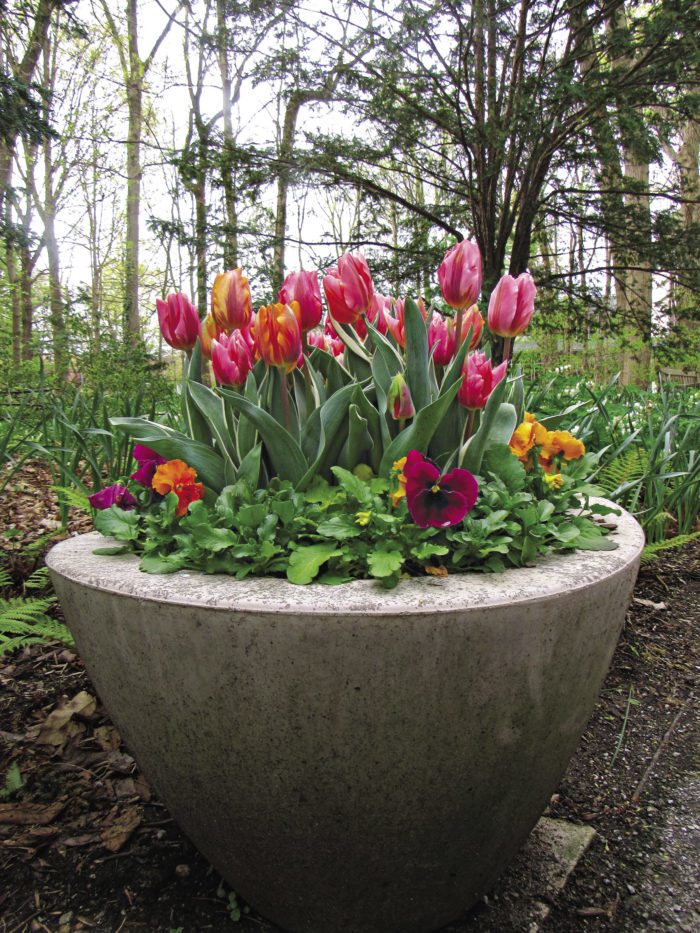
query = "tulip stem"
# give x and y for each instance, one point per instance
(306, 373)
(507, 344)
(285, 402)
(458, 329)
(468, 425)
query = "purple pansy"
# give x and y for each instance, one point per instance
(437, 501)
(148, 460)
(112, 495)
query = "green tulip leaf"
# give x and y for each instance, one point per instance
(285, 453)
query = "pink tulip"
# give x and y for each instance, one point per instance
(179, 321)
(349, 289)
(302, 287)
(472, 318)
(396, 324)
(377, 314)
(231, 359)
(480, 379)
(511, 305)
(231, 306)
(460, 275)
(441, 338)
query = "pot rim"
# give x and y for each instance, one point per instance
(554, 576)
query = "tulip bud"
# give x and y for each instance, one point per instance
(231, 307)
(398, 400)
(460, 275)
(231, 359)
(441, 339)
(179, 321)
(208, 331)
(480, 379)
(349, 289)
(396, 325)
(472, 318)
(277, 336)
(511, 305)
(302, 287)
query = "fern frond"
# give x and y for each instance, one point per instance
(74, 498)
(651, 550)
(629, 466)
(25, 622)
(39, 580)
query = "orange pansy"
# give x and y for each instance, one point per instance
(175, 476)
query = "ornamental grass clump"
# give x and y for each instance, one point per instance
(375, 439)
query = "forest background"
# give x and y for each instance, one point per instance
(146, 145)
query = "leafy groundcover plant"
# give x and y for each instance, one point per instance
(375, 439)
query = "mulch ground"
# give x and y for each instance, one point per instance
(84, 844)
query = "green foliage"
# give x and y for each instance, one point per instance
(72, 434)
(235, 910)
(649, 443)
(25, 620)
(13, 781)
(352, 530)
(653, 550)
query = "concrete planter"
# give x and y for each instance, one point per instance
(352, 760)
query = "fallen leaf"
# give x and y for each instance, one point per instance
(591, 912)
(143, 788)
(649, 603)
(119, 832)
(84, 840)
(107, 738)
(23, 814)
(58, 726)
(440, 571)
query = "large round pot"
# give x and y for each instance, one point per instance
(349, 758)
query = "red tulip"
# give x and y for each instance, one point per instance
(349, 289)
(179, 321)
(230, 300)
(302, 287)
(511, 305)
(460, 275)
(480, 379)
(231, 359)
(277, 336)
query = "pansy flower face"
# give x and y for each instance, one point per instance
(433, 500)
(175, 476)
(148, 460)
(112, 495)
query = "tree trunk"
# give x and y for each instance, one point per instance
(26, 267)
(134, 96)
(283, 175)
(227, 159)
(23, 72)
